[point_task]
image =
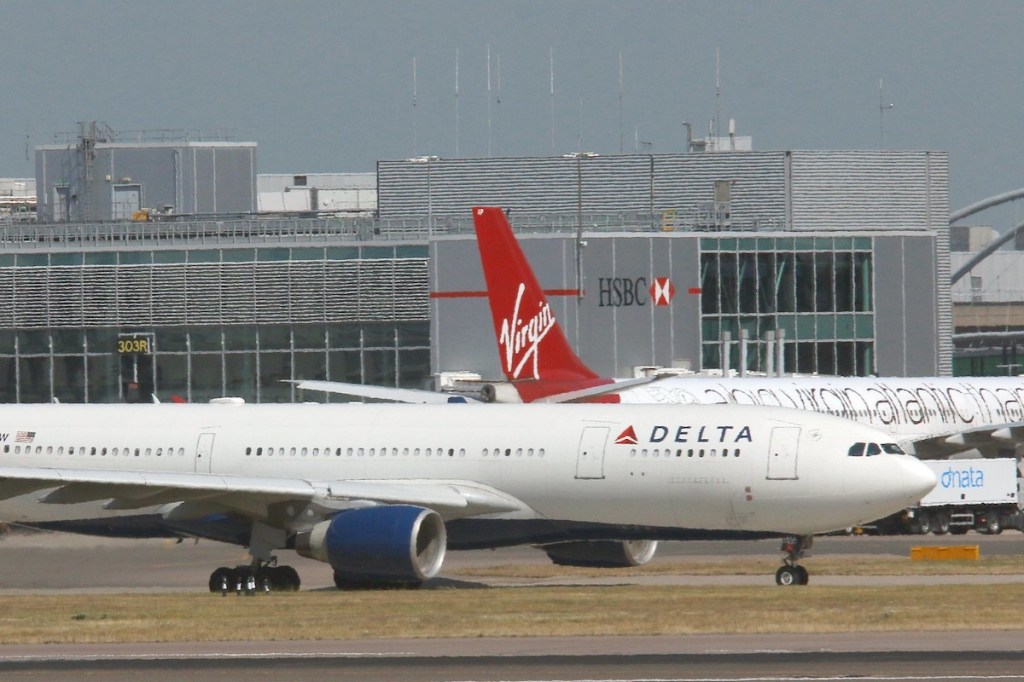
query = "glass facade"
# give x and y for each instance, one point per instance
(124, 325)
(816, 290)
(200, 363)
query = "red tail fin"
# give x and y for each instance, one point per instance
(531, 344)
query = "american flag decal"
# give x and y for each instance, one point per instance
(24, 436)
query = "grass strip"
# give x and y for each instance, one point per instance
(507, 612)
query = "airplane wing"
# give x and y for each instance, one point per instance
(398, 395)
(991, 441)
(595, 391)
(252, 496)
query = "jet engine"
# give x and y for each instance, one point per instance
(394, 545)
(602, 553)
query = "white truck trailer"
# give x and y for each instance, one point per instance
(979, 494)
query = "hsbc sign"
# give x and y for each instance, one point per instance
(622, 292)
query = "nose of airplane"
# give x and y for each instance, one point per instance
(917, 478)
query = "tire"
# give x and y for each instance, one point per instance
(223, 580)
(804, 576)
(285, 579)
(993, 524)
(787, 575)
(924, 524)
(941, 526)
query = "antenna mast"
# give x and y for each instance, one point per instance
(456, 102)
(488, 100)
(620, 102)
(551, 61)
(414, 136)
(882, 106)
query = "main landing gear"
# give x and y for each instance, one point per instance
(257, 577)
(791, 573)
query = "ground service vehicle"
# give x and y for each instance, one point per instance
(983, 494)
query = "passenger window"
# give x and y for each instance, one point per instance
(873, 449)
(856, 450)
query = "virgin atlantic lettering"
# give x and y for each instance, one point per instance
(880, 402)
(519, 340)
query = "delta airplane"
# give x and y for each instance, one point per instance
(381, 491)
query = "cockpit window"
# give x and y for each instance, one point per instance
(892, 449)
(873, 449)
(856, 450)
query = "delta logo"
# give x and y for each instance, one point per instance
(627, 437)
(689, 433)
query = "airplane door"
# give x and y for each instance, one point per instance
(590, 458)
(782, 451)
(204, 453)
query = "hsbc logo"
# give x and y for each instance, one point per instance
(625, 292)
(662, 291)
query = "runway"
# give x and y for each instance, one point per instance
(905, 656)
(63, 564)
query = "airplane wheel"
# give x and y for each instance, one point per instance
(285, 579)
(805, 577)
(788, 575)
(264, 580)
(223, 580)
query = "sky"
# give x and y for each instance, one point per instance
(328, 86)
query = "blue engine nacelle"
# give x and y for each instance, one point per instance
(602, 553)
(387, 545)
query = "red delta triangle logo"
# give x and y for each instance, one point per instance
(662, 291)
(627, 437)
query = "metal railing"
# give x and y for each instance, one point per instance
(251, 230)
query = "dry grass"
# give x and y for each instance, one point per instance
(508, 612)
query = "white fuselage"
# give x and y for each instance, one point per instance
(906, 408)
(713, 467)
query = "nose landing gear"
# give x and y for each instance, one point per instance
(791, 573)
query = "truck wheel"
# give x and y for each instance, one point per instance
(941, 523)
(924, 524)
(992, 524)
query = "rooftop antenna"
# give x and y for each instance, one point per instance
(456, 102)
(488, 100)
(551, 62)
(414, 107)
(882, 106)
(497, 74)
(718, 97)
(579, 128)
(620, 102)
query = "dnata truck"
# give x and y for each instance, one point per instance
(982, 494)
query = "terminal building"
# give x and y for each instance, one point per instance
(844, 256)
